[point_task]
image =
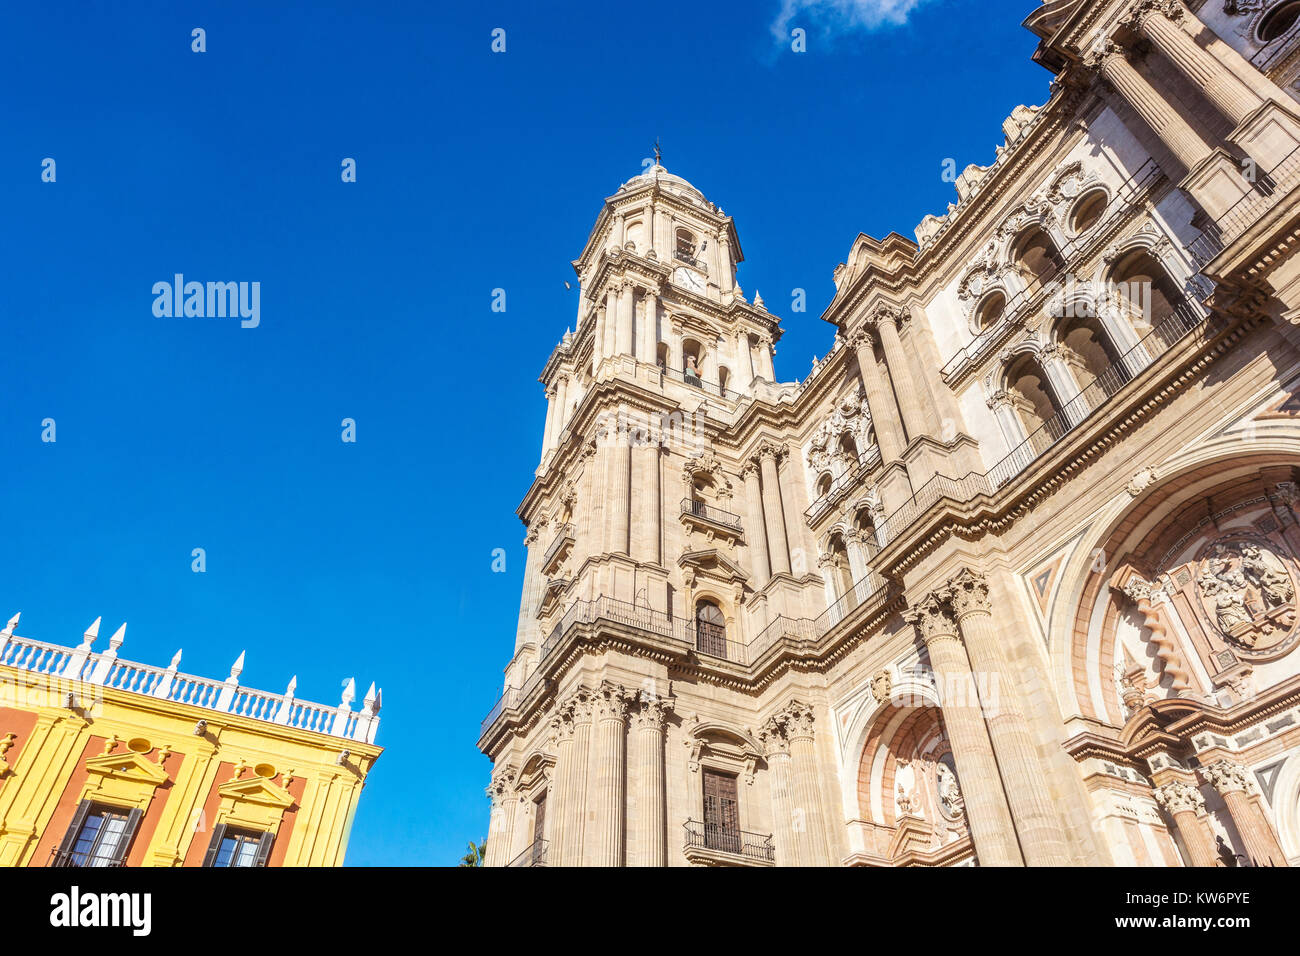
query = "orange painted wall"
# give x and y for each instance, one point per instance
(20, 724)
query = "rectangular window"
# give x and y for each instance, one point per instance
(721, 812)
(99, 836)
(231, 847)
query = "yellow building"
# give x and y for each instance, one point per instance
(105, 762)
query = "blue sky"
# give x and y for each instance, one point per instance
(475, 171)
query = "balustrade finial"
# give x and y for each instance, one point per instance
(118, 637)
(13, 622)
(92, 632)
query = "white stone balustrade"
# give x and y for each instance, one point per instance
(106, 669)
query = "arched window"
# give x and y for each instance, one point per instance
(685, 246)
(824, 485)
(848, 447)
(1034, 401)
(1087, 211)
(1090, 353)
(692, 359)
(866, 528)
(841, 570)
(1036, 256)
(1278, 21)
(1143, 290)
(663, 355)
(710, 629)
(991, 311)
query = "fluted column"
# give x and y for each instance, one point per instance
(755, 531)
(649, 508)
(1233, 784)
(623, 332)
(795, 723)
(991, 827)
(598, 340)
(611, 320)
(1184, 142)
(618, 487)
(1041, 838)
(649, 340)
(501, 824)
(787, 836)
(880, 397)
(577, 781)
(652, 808)
(778, 545)
(552, 413)
(1229, 95)
(532, 587)
(606, 835)
(906, 389)
(1185, 805)
(561, 738)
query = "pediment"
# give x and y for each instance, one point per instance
(129, 766)
(257, 790)
(712, 563)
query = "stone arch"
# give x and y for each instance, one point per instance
(1090, 606)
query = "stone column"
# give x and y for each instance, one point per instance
(1233, 784)
(623, 344)
(1013, 429)
(607, 836)
(807, 821)
(561, 810)
(880, 397)
(765, 368)
(905, 388)
(755, 532)
(778, 546)
(776, 751)
(573, 807)
(618, 487)
(532, 588)
(726, 280)
(562, 404)
(549, 430)
(991, 826)
(744, 360)
(501, 825)
(1041, 838)
(650, 506)
(611, 320)
(649, 340)
(652, 809)
(791, 477)
(1185, 804)
(1184, 142)
(1229, 95)
(598, 340)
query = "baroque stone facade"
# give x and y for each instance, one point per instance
(1010, 577)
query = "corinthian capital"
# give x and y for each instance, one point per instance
(611, 701)
(969, 593)
(1096, 57)
(503, 783)
(861, 338)
(932, 617)
(652, 711)
(1179, 797)
(1227, 777)
(771, 450)
(792, 722)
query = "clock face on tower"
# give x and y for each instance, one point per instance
(689, 279)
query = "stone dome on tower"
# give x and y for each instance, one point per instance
(666, 180)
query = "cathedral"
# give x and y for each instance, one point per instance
(1010, 578)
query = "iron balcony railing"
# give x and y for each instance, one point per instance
(534, 855)
(682, 256)
(1183, 320)
(710, 513)
(695, 381)
(722, 839)
(1045, 285)
(1269, 189)
(81, 860)
(843, 485)
(709, 640)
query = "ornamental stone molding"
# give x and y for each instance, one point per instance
(651, 710)
(1141, 481)
(861, 338)
(503, 784)
(882, 685)
(850, 416)
(969, 593)
(933, 618)
(1179, 797)
(706, 464)
(1227, 777)
(793, 722)
(611, 702)
(769, 449)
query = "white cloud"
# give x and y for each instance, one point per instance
(841, 16)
